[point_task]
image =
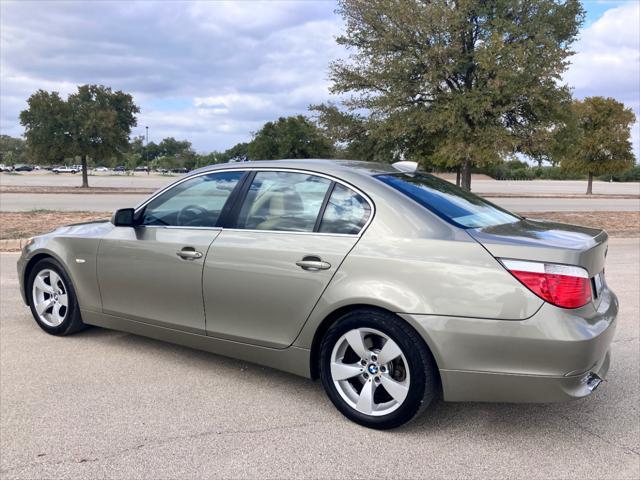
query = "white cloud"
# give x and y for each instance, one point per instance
(607, 62)
(215, 71)
(228, 66)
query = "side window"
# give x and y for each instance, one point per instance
(347, 212)
(283, 201)
(196, 202)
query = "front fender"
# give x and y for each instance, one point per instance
(77, 253)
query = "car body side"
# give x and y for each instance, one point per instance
(486, 331)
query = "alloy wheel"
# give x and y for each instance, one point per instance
(50, 298)
(370, 371)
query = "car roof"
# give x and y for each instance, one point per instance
(327, 166)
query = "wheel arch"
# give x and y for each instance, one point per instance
(31, 263)
(335, 315)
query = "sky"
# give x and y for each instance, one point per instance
(214, 72)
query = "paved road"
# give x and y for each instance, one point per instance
(108, 203)
(17, 202)
(113, 405)
(480, 185)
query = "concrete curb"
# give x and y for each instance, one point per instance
(12, 244)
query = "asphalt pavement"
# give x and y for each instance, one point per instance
(520, 195)
(480, 183)
(113, 405)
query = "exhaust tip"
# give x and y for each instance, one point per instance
(592, 381)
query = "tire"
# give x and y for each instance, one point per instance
(57, 319)
(353, 377)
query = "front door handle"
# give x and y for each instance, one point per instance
(313, 264)
(189, 253)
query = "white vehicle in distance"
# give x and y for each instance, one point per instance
(5, 168)
(101, 169)
(71, 169)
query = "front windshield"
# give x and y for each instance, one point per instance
(452, 203)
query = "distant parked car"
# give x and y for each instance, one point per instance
(141, 169)
(5, 168)
(120, 168)
(71, 169)
(101, 169)
(179, 170)
(23, 168)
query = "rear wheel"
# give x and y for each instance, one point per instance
(376, 369)
(52, 299)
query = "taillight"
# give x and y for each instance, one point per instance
(565, 286)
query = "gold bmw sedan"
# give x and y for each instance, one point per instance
(390, 285)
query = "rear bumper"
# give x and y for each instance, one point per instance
(551, 356)
(496, 387)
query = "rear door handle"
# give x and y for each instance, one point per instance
(313, 264)
(189, 253)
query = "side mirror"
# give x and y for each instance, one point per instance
(123, 217)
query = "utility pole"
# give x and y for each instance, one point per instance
(146, 154)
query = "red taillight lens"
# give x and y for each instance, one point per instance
(562, 285)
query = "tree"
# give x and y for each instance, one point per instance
(602, 142)
(238, 153)
(13, 150)
(93, 122)
(290, 137)
(356, 137)
(177, 153)
(458, 82)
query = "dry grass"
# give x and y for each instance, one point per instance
(26, 224)
(617, 224)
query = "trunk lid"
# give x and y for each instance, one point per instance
(543, 241)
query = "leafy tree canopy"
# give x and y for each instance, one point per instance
(13, 150)
(238, 153)
(290, 137)
(355, 136)
(457, 82)
(93, 122)
(600, 138)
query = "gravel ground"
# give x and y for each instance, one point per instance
(104, 404)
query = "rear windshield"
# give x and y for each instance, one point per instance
(452, 203)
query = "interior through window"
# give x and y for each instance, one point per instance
(283, 201)
(196, 202)
(346, 213)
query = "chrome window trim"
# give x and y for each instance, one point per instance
(178, 227)
(266, 169)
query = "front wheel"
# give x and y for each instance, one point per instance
(52, 299)
(376, 369)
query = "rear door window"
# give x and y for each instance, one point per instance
(283, 201)
(452, 203)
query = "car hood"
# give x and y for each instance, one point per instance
(544, 241)
(85, 229)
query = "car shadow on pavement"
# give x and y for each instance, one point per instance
(440, 416)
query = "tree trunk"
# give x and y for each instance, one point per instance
(590, 184)
(85, 177)
(457, 176)
(466, 174)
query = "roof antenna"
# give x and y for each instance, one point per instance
(405, 166)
